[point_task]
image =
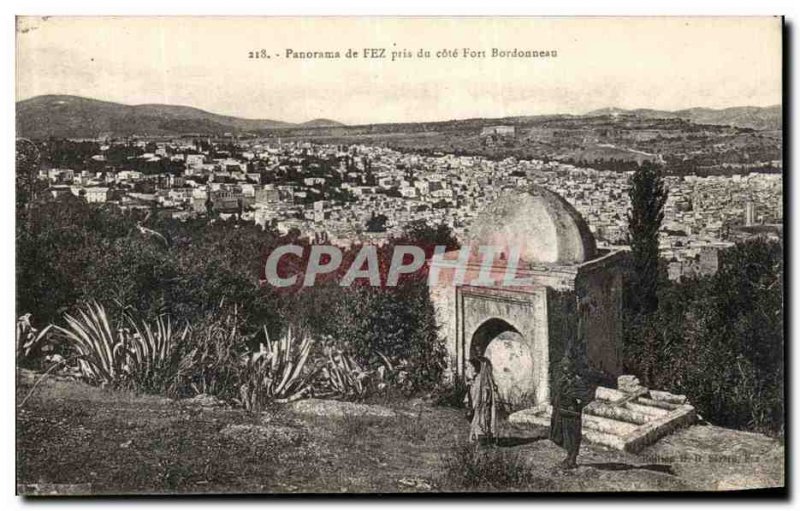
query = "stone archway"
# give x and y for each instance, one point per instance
(512, 362)
(511, 327)
(559, 268)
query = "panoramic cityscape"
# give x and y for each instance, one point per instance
(338, 190)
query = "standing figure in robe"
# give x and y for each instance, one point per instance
(571, 395)
(482, 402)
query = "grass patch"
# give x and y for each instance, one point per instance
(475, 467)
(451, 394)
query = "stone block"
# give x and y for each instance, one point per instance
(627, 424)
(628, 383)
(660, 395)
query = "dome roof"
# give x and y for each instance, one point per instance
(544, 225)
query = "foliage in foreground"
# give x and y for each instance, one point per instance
(475, 467)
(142, 357)
(70, 252)
(342, 377)
(276, 372)
(210, 361)
(214, 357)
(719, 340)
(29, 339)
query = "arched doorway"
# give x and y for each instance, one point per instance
(512, 362)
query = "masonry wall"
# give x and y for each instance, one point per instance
(489, 312)
(550, 322)
(600, 293)
(562, 326)
(444, 305)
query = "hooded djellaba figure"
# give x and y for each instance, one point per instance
(571, 395)
(481, 400)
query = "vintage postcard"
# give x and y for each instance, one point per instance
(302, 255)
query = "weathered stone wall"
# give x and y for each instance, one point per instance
(545, 315)
(486, 313)
(600, 294)
(563, 326)
(444, 306)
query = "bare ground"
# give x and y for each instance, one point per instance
(77, 439)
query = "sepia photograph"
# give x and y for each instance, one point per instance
(361, 255)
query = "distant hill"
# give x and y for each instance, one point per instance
(760, 118)
(320, 123)
(78, 117)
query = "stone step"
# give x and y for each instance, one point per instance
(606, 439)
(651, 432)
(594, 429)
(606, 425)
(618, 426)
(666, 405)
(652, 411)
(660, 395)
(604, 409)
(589, 422)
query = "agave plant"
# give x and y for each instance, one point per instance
(151, 353)
(276, 372)
(98, 349)
(143, 356)
(28, 337)
(391, 373)
(343, 377)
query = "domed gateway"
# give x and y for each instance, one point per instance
(532, 285)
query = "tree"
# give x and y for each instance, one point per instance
(377, 223)
(27, 162)
(209, 206)
(648, 196)
(427, 236)
(719, 340)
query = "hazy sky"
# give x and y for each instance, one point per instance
(663, 63)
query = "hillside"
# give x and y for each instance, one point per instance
(77, 117)
(75, 439)
(759, 118)
(321, 123)
(64, 116)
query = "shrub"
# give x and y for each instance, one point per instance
(153, 355)
(276, 372)
(397, 322)
(451, 393)
(341, 376)
(719, 340)
(211, 358)
(474, 467)
(99, 351)
(64, 249)
(144, 359)
(29, 339)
